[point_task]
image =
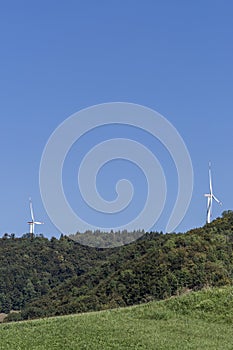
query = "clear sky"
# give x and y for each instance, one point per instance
(59, 57)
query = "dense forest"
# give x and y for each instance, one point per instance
(41, 277)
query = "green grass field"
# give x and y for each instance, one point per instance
(197, 320)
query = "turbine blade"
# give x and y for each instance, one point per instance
(38, 223)
(31, 209)
(217, 200)
(209, 209)
(210, 179)
(209, 204)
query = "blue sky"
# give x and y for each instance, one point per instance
(60, 57)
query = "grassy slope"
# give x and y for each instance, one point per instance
(197, 320)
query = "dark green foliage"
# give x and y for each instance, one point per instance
(44, 277)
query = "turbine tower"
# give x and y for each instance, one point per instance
(32, 223)
(210, 196)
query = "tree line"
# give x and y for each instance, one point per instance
(44, 277)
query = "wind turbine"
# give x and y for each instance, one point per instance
(32, 223)
(210, 196)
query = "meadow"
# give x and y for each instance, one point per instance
(193, 320)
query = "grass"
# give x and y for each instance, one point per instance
(197, 320)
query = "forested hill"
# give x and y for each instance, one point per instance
(41, 277)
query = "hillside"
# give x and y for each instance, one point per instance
(193, 321)
(41, 277)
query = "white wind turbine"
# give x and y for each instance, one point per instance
(32, 223)
(210, 196)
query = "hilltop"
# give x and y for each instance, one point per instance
(41, 277)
